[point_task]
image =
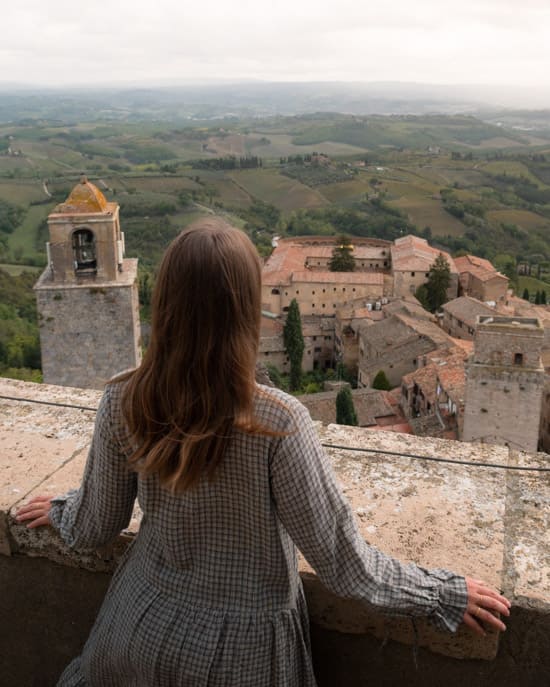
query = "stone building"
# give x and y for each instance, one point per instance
(432, 397)
(318, 293)
(459, 316)
(87, 297)
(374, 408)
(396, 346)
(318, 333)
(299, 268)
(411, 259)
(505, 382)
(479, 279)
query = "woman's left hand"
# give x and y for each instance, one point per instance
(485, 605)
(36, 512)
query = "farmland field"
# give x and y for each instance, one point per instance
(523, 218)
(24, 240)
(272, 187)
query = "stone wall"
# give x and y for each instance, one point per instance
(482, 521)
(89, 332)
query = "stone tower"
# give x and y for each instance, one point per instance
(87, 297)
(505, 382)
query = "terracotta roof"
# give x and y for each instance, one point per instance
(291, 254)
(466, 309)
(413, 254)
(452, 378)
(448, 367)
(479, 267)
(369, 404)
(359, 252)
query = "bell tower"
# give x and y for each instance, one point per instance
(87, 297)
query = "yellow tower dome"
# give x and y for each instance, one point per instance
(84, 198)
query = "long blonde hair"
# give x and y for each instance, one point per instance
(197, 379)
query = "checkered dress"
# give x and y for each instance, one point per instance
(209, 592)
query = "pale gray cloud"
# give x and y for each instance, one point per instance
(439, 41)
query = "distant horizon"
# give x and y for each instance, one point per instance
(481, 44)
(467, 96)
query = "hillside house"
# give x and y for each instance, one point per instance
(459, 316)
(396, 345)
(411, 260)
(479, 279)
(432, 397)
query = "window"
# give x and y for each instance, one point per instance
(313, 293)
(275, 292)
(84, 251)
(318, 349)
(518, 359)
(412, 274)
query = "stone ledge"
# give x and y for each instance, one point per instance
(485, 522)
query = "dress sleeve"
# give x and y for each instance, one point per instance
(94, 514)
(319, 520)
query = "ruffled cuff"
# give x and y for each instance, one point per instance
(452, 602)
(58, 506)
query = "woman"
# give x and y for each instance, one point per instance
(231, 478)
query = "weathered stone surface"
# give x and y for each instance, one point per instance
(478, 521)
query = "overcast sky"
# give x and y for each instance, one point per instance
(432, 41)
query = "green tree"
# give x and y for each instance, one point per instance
(525, 294)
(438, 282)
(537, 298)
(381, 381)
(543, 297)
(342, 256)
(422, 296)
(345, 410)
(294, 343)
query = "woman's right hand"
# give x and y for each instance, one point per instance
(484, 605)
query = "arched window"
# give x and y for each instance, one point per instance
(84, 251)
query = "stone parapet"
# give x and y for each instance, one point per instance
(477, 520)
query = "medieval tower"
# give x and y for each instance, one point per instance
(505, 382)
(87, 297)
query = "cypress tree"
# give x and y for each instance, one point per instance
(381, 381)
(438, 282)
(543, 297)
(342, 256)
(345, 410)
(525, 294)
(294, 344)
